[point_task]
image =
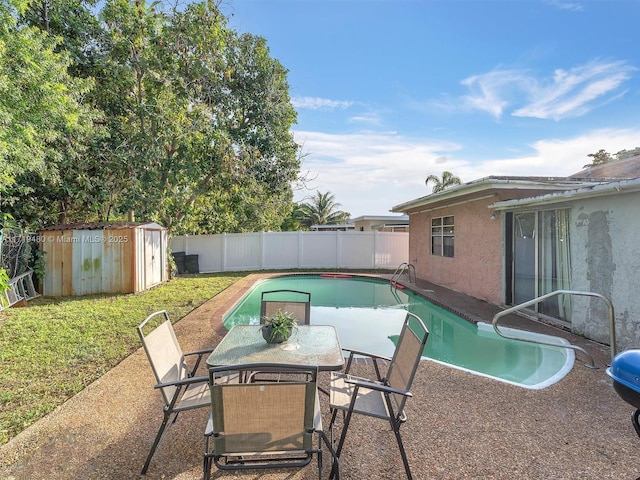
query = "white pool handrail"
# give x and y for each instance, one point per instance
(403, 268)
(553, 294)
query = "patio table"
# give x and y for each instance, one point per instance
(316, 345)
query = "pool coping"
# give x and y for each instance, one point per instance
(470, 308)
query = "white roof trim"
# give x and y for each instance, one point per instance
(598, 190)
(492, 183)
(364, 218)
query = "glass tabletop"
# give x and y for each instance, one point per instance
(316, 345)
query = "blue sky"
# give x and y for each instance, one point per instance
(391, 91)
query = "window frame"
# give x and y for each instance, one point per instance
(442, 236)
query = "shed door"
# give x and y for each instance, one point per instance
(87, 261)
(152, 258)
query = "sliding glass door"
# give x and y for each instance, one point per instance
(541, 260)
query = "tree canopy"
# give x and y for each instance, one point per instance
(322, 209)
(602, 156)
(168, 115)
(447, 180)
(41, 104)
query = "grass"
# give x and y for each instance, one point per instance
(53, 348)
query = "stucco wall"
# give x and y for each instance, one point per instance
(605, 258)
(476, 266)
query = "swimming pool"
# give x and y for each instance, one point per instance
(368, 316)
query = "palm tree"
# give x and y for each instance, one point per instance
(322, 209)
(448, 180)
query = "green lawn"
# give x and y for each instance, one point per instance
(53, 348)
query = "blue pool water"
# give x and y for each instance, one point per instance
(368, 316)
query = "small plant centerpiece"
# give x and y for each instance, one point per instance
(277, 328)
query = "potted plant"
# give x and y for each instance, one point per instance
(277, 328)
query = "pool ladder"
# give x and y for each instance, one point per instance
(403, 268)
(591, 363)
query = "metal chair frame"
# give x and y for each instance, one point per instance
(393, 389)
(232, 446)
(180, 389)
(269, 307)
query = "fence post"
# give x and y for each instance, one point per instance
(300, 248)
(375, 249)
(262, 249)
(223, 252)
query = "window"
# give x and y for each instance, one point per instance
(442, 236)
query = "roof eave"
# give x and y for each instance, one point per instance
(591, 191)
(488, 183)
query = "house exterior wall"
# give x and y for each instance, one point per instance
(476, 267)
(605, 259)
(362, 225)
(381, 224)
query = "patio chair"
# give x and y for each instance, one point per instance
(180, 389)
(263, 424)
(385, 397)
(292, 301)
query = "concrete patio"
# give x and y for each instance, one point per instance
(460, 425)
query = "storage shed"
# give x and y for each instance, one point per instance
(82, 259)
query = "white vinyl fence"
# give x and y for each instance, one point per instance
(295, 250)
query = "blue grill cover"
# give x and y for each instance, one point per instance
(625, 369)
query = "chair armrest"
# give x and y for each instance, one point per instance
(184, 381)
(372, 356)
(200, 352)
(366, 354)
(377, 386)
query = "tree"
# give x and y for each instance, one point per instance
(66, 182)
(599, 158)
(322, 209)
(40, 102)
(448, 180)
(74, 24)
(202, 116)
(189, 123)
(622, 154)
(293, 222)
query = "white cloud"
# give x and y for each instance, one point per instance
(572, 93)
(317, 103)
(569, 93)
(489, 90)
(572, 6)
(372, 119)
(369, 173)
